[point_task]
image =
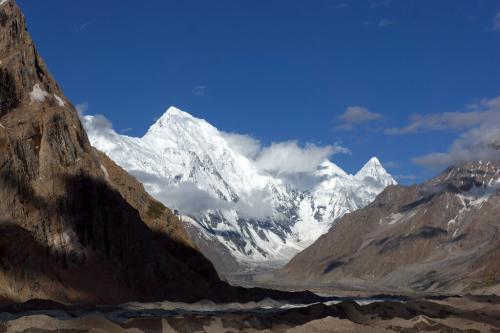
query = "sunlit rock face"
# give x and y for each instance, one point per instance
(439, 236)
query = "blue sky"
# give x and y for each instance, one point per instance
(393, 79)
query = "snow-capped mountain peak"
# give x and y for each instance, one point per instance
(328, 168)
(231, 206)
(373, 169)
(173, 116)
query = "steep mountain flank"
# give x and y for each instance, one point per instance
(71, 223)
(443, 235)
(157, 217)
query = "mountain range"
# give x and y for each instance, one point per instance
(241, 216)
(440, 236)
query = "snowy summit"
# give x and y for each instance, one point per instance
(238, 213)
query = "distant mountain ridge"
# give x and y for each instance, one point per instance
(238, 215)
(440, 236)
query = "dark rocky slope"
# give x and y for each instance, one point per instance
(66, 232)
(74, 227)
(443, 236)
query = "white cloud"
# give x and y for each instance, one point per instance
(189, 199)
(256, 205)
(479, 139)
(355, 115)
(358, 115)
(97, 125)
(283, 158)
(243, 144)
(440, 121)
(288, 157)
(288, 160)
(82, 108)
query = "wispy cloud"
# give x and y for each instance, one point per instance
(82, 108)
(199, 91)
(384, 23)
(405, 177)
(479, 137)
(390, 164)
(440, 121)
(355, 115)
(126, 130)
(496, 22)
(81, 28)
(383, 3)
(339, 6)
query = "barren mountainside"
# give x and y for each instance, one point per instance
(74, 227)
(443, 235)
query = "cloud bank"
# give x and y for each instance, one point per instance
(281, 158)
(290, 161)
(478, 139)
(244, 144)
(189, 199)
(288, 157)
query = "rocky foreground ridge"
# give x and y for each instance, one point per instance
(74, 227)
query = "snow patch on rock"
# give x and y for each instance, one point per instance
(59, 101)
(38, 95)
(105, 171)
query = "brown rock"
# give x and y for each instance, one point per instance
(441, 236)
(73, 226)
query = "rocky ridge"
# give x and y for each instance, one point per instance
(441, 236)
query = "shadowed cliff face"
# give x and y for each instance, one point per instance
(66, 231)
(74, 227)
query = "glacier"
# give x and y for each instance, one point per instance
(241, 217)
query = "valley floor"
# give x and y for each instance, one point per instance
(454, 314)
